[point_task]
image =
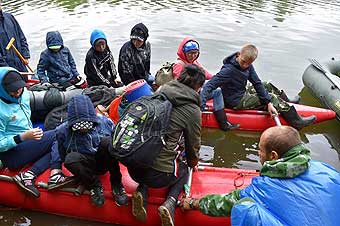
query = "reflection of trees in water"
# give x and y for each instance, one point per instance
(279, 8)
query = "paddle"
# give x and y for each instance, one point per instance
(277, 120)
(329, 75)
(187, 186)
(23, 60)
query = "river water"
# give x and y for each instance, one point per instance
(287, 33)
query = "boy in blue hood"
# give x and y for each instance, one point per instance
(83, 146)
(56, 64)
(20, 143)
(135, 56)
(100, 67)
(236, 71)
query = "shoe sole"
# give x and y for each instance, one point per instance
(28, 191)
(138, 210)
(165, 216)
(61, 185)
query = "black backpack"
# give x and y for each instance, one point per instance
(139, 134)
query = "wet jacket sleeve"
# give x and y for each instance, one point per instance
(221, 78)
(257, 83)
(72, 65)
(22, 39)
(6, 141)
(192, 138)
(219, 205)
(41, 68)
(126, 67)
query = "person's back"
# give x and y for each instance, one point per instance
(135, 56)
(10, 28)
(56, 64)
(309, 199)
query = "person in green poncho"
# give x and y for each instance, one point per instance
(292, 189)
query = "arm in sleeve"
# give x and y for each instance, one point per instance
(219, 205)
(222, 77)
(148, 60)
(22, 39)
(94, 70)
(41, 68)
(6, 141)
(72, 65)
(257, 83)
(113, 70)
(126, 68)
(192, 138)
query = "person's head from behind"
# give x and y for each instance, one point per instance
(139, 34)
(191, 50)
(192, 76)
(276, 141)
(246, 56)
(14, 83)
(98, 40)
(81, 114)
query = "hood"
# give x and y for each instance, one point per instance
(180, 94)
(80, 108)
(53, 38)
(292, 164)
(3, 93)
(232, 60)
(180, 52)
(143, 28)
(97, 34)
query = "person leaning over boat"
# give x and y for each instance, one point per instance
(10, 28)
(168, 169)
(56, 64)
(291, 190)
(83, 145)
(20, 143)
(135, 56)
(232, 79)
(188, 53)
(100, 67)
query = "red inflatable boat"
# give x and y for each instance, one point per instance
(254, 120)
(208, 180)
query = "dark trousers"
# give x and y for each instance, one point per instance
(156, 179)
(38, 152)
(86, 167)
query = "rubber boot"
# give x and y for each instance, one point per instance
(294, 119)
(284, 97)
(223, 122)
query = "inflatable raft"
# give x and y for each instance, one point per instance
(323, 86)
(254, 120)
(208, 180)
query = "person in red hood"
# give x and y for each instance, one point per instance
(188, 53)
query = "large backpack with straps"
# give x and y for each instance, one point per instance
(139, 134)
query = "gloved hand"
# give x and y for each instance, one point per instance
(120, 90)
(47, 84)
(81, 83)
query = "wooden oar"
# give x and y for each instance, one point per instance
(329, 75)
(23, 60)
(277, 120)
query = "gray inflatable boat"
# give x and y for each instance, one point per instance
(323, 81)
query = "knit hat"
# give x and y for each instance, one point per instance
(191, 45)
(138, 34)
(13, 81)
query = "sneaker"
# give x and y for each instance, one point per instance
(97, 195)
(26, 180)
(166, 212)
(59, 180)
(139, 202)
(119, 195)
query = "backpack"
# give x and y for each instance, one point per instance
(139, 134)
(164, 74)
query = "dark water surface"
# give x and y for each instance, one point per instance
(287, 32)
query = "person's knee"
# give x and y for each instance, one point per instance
(72, 160)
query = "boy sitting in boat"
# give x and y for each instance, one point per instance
(56, 64)
(20, 143)
(232, 79)
(135, 56)
(83, 145)
(291, 190)
(100, 68)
